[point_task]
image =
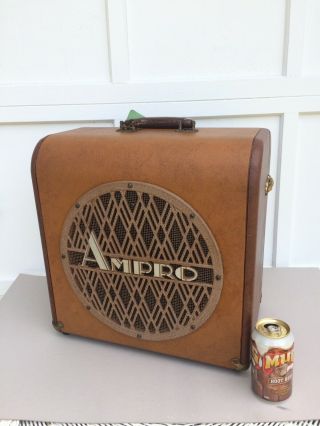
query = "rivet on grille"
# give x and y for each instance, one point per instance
(88, 307)
(192, 215)
(77, 205)
(193, 327)
(218, 277)
(130, 185)
(63, 256)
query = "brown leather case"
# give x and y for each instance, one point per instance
(153, 238)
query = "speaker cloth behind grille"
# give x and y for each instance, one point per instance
(141, 260)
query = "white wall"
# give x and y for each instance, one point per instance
(223, 62)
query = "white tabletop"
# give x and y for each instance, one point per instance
(47, 376)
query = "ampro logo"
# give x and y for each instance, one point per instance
(136, 267)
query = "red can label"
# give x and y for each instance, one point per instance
(272, 372)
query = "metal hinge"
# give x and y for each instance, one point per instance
(127, 126)
(182, 129)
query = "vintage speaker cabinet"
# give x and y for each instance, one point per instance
(153, 235)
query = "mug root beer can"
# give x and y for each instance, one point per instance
(272, 359)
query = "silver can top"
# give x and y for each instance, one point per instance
(272, 328)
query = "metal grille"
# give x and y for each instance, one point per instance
(141, 222)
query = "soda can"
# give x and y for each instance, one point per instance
(272, 359)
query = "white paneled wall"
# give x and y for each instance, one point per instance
(42, 41)
(209, 42)
(223, 62)
(311, 62)
(305, 243)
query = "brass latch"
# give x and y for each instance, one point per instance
(269, 184)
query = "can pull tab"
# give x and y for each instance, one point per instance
(269, 185)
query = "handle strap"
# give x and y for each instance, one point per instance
(177, 123)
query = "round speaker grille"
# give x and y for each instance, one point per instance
(141, 260)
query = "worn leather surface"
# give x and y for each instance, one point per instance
(256, 219)
(208, 169)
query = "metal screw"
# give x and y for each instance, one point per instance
(63, 256)
(218, 277)
(193, 327)
(130, 185)
(88, 307)
(192, 215)
(77, 205)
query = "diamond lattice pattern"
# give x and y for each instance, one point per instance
(139, 225)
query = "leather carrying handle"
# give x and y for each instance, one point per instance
(176, 123)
